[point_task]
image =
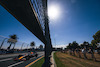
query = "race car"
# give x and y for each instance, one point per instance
(25, 56)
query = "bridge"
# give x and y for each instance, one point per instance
(33, 15)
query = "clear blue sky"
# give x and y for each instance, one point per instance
(78, 21)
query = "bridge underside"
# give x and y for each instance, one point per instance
(23, 11)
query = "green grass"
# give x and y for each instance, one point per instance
(65, 60)
(57, 61)
(38, 63)
(81, 62)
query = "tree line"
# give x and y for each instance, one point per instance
(85, 46)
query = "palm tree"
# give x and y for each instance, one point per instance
(32, 44)
(12, 40)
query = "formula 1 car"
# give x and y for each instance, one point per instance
(25, 56)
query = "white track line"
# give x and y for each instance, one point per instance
(16, 64)
(32, 58)
(6, 59)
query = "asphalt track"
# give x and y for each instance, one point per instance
(7, 60)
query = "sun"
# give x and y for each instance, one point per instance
(53, 12)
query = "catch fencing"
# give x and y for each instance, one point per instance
(16, 46)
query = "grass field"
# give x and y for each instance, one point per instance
(66, 60)
(38, 63)
(58, 63)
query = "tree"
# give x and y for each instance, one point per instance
(96, 40)
(93, 44)
(12, 40)
(86, 46)
(78, 51)
(96, 37)
(70, 48)
(81, 46)
(32, 44)
(41, 47)
(74, 46)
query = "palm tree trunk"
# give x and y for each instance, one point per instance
(84, 53)
(22, 45)
(92, 56)
(74, 52)
(9, 46)
(85, 57)
(14, 46)
(70, 52)
(79, 54)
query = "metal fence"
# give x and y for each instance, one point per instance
(38, 7)
(15, 47)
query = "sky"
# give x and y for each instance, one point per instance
(77, 20)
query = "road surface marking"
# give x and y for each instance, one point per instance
(34, 62)
(6, 59)
(16, 64)
(32, 58)
(35, 57)
(10, 55)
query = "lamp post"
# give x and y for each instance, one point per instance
(27, 47)
(22, 45)
(2, 43)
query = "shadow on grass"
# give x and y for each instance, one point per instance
(58, 62)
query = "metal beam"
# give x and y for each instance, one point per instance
(48, 46)
(23, 11)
